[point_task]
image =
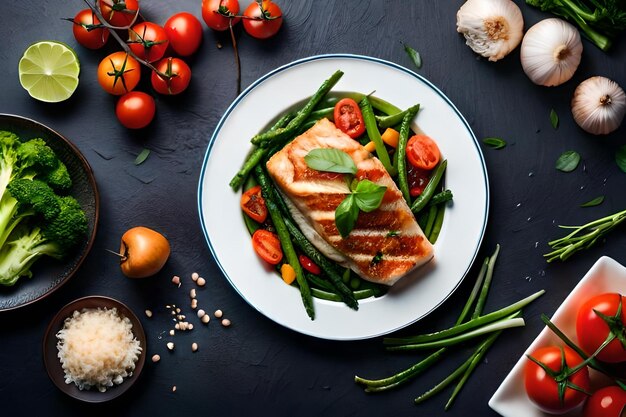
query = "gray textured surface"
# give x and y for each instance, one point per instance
(256, 367)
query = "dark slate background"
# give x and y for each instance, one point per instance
(257, 367)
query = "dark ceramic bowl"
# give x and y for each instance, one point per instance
(50, 274)
(53, 363)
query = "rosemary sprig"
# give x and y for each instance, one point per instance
(583, 237)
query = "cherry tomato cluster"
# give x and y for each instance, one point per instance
(149, 43)
(261, 19)
(557, 378)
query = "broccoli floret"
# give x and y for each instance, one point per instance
(55, 238)
(58, 178)
(36, 157)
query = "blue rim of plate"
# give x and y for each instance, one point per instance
(298, 62)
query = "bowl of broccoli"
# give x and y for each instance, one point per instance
(49, 208)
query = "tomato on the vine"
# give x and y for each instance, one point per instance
(592, 329)
(184, 32)
(87, 31)
(179, 76)
(218, 13)
(118, 73)
(253, 204)
(606, 402)
(267, 245)
(348, 117)
(262, 20)
(135, 110)
(422, 152)
(543, 389)
(119, 13)
(148, 41)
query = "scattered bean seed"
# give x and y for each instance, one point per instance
(205, 319)
(201, 282)
(218, 313)
(177, 326)
(172, 332)
(225, 322)
(168, 307)
(174, 388)
(195, 276)
(194, 303)
(192, 293)
(148, 313)
(178, 310)
(190, 327)
(194, 347)
(156, 358)
(176, 279)
(201, 313)
(170, 345)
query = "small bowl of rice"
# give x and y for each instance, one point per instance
(94, 349)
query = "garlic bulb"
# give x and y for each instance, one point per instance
(492, 28)
(599, 105)
(551, 52)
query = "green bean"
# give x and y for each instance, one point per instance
(400, 155)
(423, 199)
(285, 241)
(440, 198)
(325, 265)
(392, 120)
(437, 224)
(256, 155)
(432, 215)
(320, 282)
(374, 385)
(278, 135)
(510, 321)
(325, 113)
(467, 326)
(482, 299)
(374, 135)
(477, 357)
(475, 289)
(329, 296)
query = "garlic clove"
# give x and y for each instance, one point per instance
(492, 28)
(551, 52)
(599, 105)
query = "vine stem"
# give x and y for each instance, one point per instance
(237, 61)
(124, 45)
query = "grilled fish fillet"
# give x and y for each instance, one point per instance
(385, 244)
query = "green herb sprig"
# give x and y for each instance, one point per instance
(364, 196)
(583, 237)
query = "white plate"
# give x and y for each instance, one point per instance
(510, 399)
(412, 298)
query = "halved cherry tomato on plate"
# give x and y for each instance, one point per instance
(309, 265)
(253, 204)
(422, 152)
(592, 330)
(267, 245)
(348, 117)
(543, 389)
(606, 402)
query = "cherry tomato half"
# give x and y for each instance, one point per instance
(119, 13)
(148, 41)
(543, 390)
(422, 152)
(84, 32)
(592, 330)
(418, 179)
(253, 204)
(180, 76)
(135, 110)
(217, 13)
(118, 73)
(606, 402)
(262, 20)
(184, 32)
(309, 265)
(267, 245)
(348, 117)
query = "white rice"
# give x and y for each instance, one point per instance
(97, 348)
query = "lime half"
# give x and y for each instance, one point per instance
(49, 71)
